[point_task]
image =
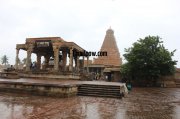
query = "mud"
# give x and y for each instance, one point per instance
(141, 103)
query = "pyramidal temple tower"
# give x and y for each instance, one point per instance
(109, 45)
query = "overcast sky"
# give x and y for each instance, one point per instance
(85, 22)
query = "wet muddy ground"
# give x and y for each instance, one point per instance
(141, 103)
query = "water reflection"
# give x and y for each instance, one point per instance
(12, 111)
(140, 103)
(177, 111)
(92, 111)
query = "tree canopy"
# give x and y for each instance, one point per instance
(4, 59)
(148, 59)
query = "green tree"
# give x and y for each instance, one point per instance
(4, 59)
(147, 60)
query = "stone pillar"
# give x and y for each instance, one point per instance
(64, 59)
(28, 61)
(83, 64)
(77, 64)
(75, 61)
(38, 61)
(46, 61)
(87, 66)
(17, 58)
(56, 58)
(71, 59)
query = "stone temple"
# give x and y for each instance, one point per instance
(59, 58)
(107, 65)
(109, 45)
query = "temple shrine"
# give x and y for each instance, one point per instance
(107, 65)
(55, 51)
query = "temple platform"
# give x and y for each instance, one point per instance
(9, 75)
(63, 88)
(50, 75)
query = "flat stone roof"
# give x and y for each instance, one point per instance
(55, 39)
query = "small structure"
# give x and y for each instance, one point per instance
(55, 51)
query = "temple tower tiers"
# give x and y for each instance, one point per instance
(113, 55)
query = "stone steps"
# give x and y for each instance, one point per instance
(177, 85)
(99, 90)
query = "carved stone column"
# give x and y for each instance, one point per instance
(64, 59)
(28, 61)
(75, 61)
(38, 61)
(46, 61)
(17, 58)
(77, 64)
(56, 58)
(87, 64)
(71, 59)
(83, 64)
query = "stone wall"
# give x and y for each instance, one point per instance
(50, 76)
(167, 81)
(40, 89)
